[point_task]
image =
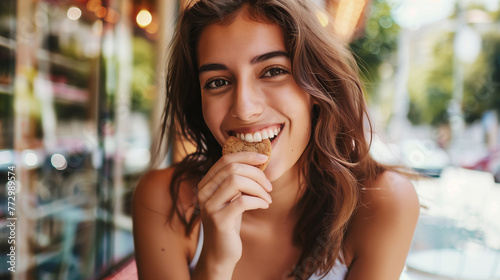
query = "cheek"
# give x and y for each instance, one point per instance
(213, 115)
(209, 115)
(304, 132)
(305, 118)
(301, 109)
(298, 108)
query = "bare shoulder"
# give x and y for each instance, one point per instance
(381, 230)
(390, 192)
(386, 201)
(153, 191)
(162, 249)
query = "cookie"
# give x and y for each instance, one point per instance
(235, 145)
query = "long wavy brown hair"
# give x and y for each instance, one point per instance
(337, 160)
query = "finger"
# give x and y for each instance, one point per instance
(244, 170)
(236, 208)
(250, 158)
(230, 189)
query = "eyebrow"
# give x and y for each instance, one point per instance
(267, 56)
(255, 60)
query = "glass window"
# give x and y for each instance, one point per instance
(78, 85)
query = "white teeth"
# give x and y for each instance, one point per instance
(249, 137)
(271, 133)
(264, 134)
(257, 137)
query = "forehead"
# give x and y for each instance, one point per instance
(243, 36)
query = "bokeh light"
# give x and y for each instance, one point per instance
(30, 158)
(322, 18)
(58, 161)
(74, 13)
(100, 12)
(144, 18)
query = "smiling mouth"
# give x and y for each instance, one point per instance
(267, 133)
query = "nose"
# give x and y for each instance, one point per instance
(247, 101)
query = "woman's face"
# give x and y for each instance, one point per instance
(247, 88)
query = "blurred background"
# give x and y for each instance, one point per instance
(82, 88)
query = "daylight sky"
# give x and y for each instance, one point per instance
(415, 13)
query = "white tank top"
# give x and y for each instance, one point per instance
(338, 272)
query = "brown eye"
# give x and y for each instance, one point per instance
(275, 71)
(217, 83)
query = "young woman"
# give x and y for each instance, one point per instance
(322, 207)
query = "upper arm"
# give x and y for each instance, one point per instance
(381, 231)
(160, 247)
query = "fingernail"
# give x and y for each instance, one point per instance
(270, 198)
(270, 185)
(262, 157)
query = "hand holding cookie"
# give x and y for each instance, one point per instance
(232, 186)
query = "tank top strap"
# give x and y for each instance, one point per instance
(197, 253)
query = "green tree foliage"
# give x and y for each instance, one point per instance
(143, 78)
(482, 81)
(431, 85)
(377, 43)
(142, 84)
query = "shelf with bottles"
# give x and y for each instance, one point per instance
(67, 58)
(64, 180)
(64, 61)
(67, 42)
(62, 91)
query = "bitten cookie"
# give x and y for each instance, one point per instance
(235, 145)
